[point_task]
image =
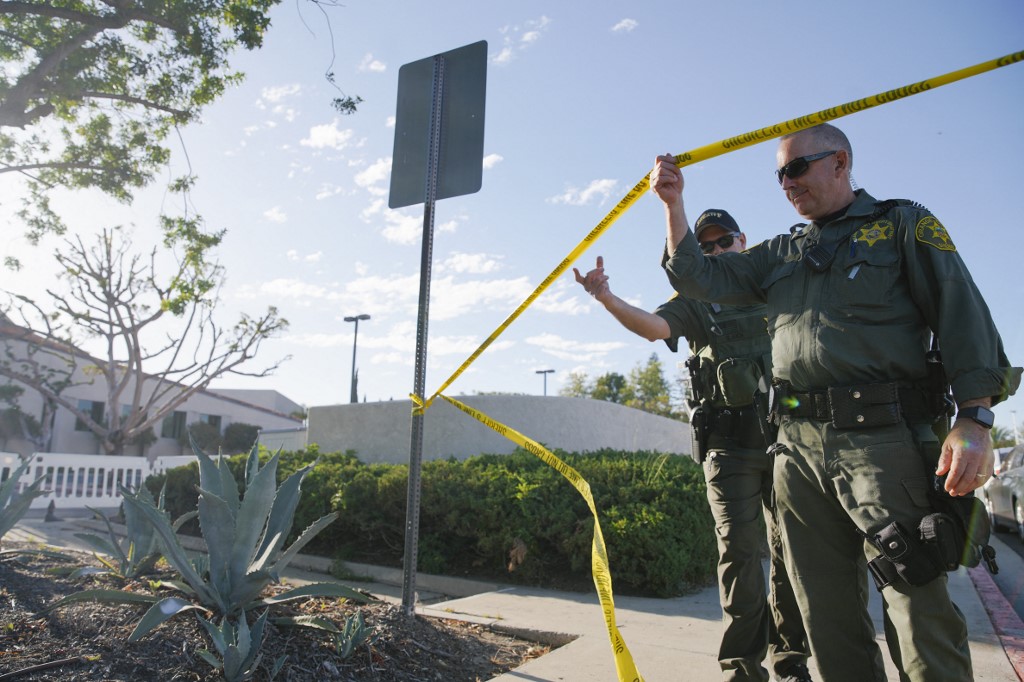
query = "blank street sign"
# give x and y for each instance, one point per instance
(460, 162)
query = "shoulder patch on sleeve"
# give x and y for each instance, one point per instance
(931, 232)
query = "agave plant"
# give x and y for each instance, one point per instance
(245, 535)
(138, 553)
(13, 508)
(237, 648)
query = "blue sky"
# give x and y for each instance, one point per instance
(580, 99)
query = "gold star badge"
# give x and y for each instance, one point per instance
(875, 232)
(931, 232)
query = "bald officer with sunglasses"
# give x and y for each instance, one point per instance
(852, 299)
(729, 369)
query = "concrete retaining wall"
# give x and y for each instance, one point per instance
(380, 432)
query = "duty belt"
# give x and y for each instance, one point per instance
(853, 407)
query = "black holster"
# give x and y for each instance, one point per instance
(904, 555)
(700, 422)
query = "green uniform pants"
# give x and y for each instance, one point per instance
(739, 483)
(831, 486)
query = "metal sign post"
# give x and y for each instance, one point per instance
(438, 154)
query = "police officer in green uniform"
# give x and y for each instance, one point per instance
(853, 299)
(729, 369)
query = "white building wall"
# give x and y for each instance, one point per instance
(380, 432)
(67, 440)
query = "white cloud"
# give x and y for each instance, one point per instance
(571, 350)
(275, 215)
(375, 207)
(597, 189)
(375, 175)
(273, 98)
(389, 359)
(402, 229)
(370, 64)
(451, 299)
(328, 190)
(562, 299)
(292, 254)
(328, 135)
(391, 292)
(626, 25)
(313, 257)
(518, 38)
(492, 160)
(389, 122)
(278, 93)
(503, 57)
(471, 263)
(289, 114)
(319, 340)
(292, 288)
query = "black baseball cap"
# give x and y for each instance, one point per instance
(712, 217)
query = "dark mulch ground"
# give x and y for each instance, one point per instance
(88, 641)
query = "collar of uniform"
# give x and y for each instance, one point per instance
(863, 204)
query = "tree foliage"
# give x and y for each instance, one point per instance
(117, 297)
(644, 389)
(91, 89)
(1003, 437)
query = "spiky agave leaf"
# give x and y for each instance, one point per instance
(103, 596)
(11, 509)
(159, 613)
(176, 555)
(335, 590)
(238, 646)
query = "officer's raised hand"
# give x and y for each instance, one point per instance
(595, 282)
(666, 179)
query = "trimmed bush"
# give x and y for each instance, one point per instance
(653, 511)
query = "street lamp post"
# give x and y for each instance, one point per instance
(354, 393)
(1016, 433)
(545, 372)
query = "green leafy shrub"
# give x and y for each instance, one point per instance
(239, 437)
(653, 512)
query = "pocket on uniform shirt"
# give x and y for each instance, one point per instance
(784, 296)
(867, 281)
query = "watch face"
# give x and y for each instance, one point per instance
(982, 415)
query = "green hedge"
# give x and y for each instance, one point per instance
(653, 512)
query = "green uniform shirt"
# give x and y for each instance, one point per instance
(867, 316)
(729, 334)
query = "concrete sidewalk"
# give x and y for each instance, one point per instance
(669, 639)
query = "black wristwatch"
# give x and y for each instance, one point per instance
(982, 415)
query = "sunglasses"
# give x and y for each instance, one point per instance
(723, 242)
(799, 166)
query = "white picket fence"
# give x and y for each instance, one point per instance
(78, 481)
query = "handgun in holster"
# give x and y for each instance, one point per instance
(700, 427)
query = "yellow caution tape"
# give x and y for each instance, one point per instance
(624, 665)
(717, 149)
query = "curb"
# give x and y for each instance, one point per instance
(1007, 624)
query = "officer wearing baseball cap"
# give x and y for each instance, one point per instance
(729, 373)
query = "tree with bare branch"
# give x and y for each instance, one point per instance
(159, 340)
(91, 89)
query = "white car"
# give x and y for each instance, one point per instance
(1003, 494)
